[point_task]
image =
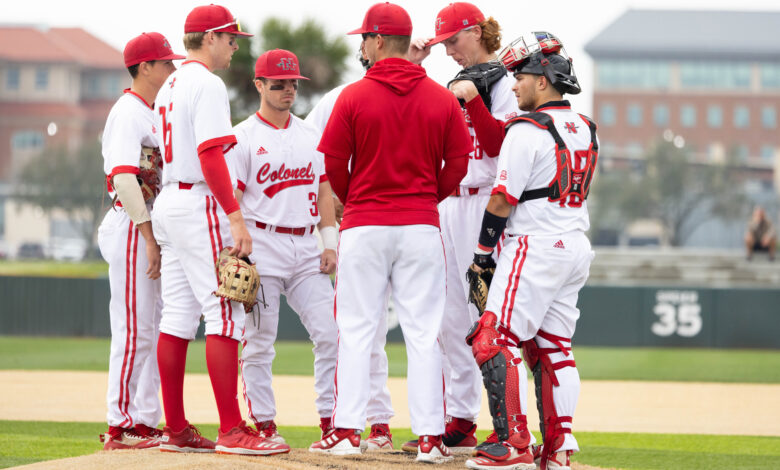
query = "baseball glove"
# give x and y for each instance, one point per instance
(479, 275)
(238, 279)
(483, 76)
(149, 175)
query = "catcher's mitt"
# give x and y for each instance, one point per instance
(238, 279)
(479, 275)
(149, 172)
(483, 76)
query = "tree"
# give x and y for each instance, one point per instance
(669, 187)
(71, 181)
(322, 59)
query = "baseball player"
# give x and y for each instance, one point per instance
(471, 40)
(284, 193)
(407, 127)
(195, 216)
(130, 156)
(544, 173)
(379, 409)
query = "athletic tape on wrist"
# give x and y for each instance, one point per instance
(330, 237)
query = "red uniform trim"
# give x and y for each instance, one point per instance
(124, 169)
(323, 178)
(131, 92)
(514, 279)
(502, 189)
(243, 383)
(241, 186)
(229, 140)
(286, 124)
(131, 325)
(193, 61)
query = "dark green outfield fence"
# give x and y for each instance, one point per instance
(611, 315)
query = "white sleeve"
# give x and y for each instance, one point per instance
(515, 162)
(238, 160)
(504, 102)
(122, 148)
(211, 119)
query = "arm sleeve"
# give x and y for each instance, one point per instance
(454, 170)
(489, 130)
(215, 170)
(128, 191)
(337, 170)
(514, 164)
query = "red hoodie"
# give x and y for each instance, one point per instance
(385, 142)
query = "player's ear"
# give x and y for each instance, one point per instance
(259, 85)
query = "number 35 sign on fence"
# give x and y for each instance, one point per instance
(678, 313)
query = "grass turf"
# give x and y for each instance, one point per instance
(49, 268)
(295, 358)
(24, 442)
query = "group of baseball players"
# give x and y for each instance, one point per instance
(488, 175)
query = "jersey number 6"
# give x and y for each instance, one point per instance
(166, 129)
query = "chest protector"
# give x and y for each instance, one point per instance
(568, 180)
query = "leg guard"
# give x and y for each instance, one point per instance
(545, 382)
(500, 375)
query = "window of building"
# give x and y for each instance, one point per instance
(661, 115)
(607, 115)
(12, 78)
(770, 76)
(768, 117)
(714, 116)
(113, 87)
(715, 74)
(688, 115)
(27, 140)
(642, 74)
(768, 153)
(634, 115)
(741, 117)
(41, 78)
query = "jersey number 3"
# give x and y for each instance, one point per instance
(166, 129)
(313, 211)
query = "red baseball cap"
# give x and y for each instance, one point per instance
(386, 18)
(148, 47)
(454, 18)
(212, 18)
(278, 64)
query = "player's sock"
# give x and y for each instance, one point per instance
(222, 362)
(171, 359)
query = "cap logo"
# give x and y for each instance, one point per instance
(439, 22)
(465, 22)
(286, 64)
(376, 27)
(166, 45)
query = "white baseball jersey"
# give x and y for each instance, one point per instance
(318, 117)
(482, 169)
(129, 127)
(278, 169)
(537, 169)
(202, 111)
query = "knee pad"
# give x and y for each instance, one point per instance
(545, 382)
(482, 338)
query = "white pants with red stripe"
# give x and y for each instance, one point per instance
(535, 287)
(134, 309)
(379, 408)
(289, 265)
(411, 259)
(191, 230)
(461, 219)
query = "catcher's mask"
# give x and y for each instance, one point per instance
(546, 56)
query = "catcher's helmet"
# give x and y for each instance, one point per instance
(545, 57)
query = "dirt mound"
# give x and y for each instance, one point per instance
(298, 459)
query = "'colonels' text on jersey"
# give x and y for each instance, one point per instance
(193, 114)
(129, 127)
(279, 171)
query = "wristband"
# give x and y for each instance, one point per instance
(492, 228)
(330, 237)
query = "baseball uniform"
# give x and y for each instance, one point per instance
(279, 171)
(135, 305)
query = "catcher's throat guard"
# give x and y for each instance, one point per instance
(546, 56)
(570, 178)
(238, 279)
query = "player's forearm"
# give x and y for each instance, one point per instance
(489, 130)
(337, 170)
(326, 206)
(454, 170)
(215, 171)
(129, 194)
(493, 223)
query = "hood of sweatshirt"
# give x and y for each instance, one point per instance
(399, 75)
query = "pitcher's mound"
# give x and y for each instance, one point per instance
(298, 459)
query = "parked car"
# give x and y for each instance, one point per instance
(30, 250)
(68, 249)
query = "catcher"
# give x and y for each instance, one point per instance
(484, 89)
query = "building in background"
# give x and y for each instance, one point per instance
(709, 81)
(57, 86)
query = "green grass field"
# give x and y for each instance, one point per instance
(295, 358)
(49, 268)
(27, 442)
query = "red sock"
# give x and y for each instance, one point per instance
(222, 362)
(171, 359)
